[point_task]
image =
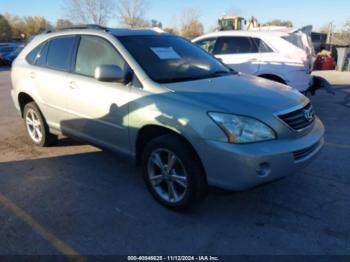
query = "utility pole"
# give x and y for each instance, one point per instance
(330, 36)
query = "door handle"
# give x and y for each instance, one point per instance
(253, 60)
(32, 75)
(72, 85)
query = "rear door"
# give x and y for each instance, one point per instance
(239, 53)
(269, 61)
(50, 75)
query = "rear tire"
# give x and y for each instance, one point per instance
(36, 126)
(173, 173)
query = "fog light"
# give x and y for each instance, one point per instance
(264, 169)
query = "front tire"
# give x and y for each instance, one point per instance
(37, 129)
(172, 172)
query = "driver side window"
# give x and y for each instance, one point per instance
(207, 44)
(94, 51)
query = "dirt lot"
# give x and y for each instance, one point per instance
(77, 199)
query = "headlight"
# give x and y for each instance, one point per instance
(241, 129)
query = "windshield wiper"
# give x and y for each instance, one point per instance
(179, 79)
(192, 78)
(232, 71)
(219, 73)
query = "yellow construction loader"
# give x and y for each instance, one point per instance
(236, 23)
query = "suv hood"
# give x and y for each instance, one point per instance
(240, 94)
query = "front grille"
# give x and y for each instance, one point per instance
(300, 154)
(300, 118)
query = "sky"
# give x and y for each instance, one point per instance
(301, 12)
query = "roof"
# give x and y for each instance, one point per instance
(243, 33)
(94, 30)
(266, 31)
(114, 31)
(131, 32)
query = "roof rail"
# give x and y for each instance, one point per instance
(88, 26)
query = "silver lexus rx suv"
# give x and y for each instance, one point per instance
(186, 118)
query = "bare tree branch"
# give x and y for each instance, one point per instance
(89, 11)
(16, 23)
(191, 26)
(131, 13)
(279, 22)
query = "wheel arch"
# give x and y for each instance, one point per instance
(149, 132)
(274, 77)
(23, 99)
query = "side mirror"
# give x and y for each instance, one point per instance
(109, 73)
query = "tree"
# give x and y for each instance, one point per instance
(16, 24)
(345, 35)
(5, 29)
(63, 23)
(346, 27)
(156, 23)
(324, 29)
(191, 26)
(89, 11)
(278, 22)
(171, 30)
(27, 26)
(131, 13)
(34, 25)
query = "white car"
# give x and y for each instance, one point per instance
(264, 54)
(300, 38)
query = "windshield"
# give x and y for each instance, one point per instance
(168, 59)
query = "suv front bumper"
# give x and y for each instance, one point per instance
(240, 167)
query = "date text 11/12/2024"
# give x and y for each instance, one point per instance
(173, 258)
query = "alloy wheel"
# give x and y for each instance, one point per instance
(167, 175)
(34, 126)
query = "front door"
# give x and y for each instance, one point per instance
(238, 52)
(97, 110)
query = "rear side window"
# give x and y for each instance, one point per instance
(236, 45)
(31, 57)
(59, 53)
(207, 44)
(94, 51)
(42, 55)
(262, 46)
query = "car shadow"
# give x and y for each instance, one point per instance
(100, 195)
(102, 173)
(67, 141)
(103, 180)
